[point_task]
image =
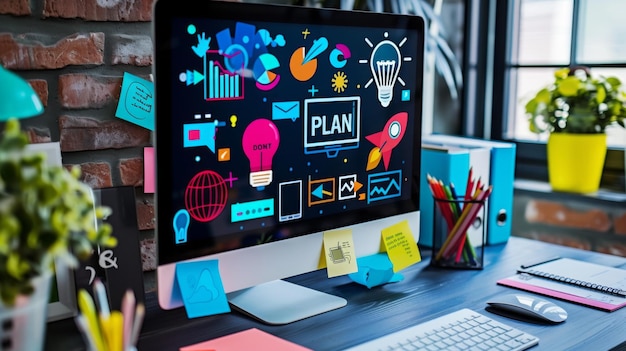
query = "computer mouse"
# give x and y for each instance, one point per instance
(529, 306)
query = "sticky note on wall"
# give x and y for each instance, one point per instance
(400, 245)
(148, 170)
(136, 104)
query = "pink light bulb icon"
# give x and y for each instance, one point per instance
(260, 142)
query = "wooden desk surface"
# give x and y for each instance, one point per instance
(425, 293)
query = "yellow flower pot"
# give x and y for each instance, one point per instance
(575, 161)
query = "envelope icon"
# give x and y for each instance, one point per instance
(286, 110)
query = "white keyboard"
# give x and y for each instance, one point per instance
(461, 330)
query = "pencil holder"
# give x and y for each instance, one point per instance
(459, 233)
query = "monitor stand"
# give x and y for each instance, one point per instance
(281, 302)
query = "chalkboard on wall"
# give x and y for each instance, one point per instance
(118, 268)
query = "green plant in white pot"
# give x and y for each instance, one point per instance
(576, 108)
(47, 215)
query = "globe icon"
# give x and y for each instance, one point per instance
(205, 196)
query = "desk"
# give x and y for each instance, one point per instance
(425, 293)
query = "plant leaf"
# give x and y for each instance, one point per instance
(561, 73)
(601, 94)
(569, 86)
(543, 96)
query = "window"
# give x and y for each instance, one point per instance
(541, 36)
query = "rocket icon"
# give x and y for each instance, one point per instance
(386, 140)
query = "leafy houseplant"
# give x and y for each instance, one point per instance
(577, 102)
(46, 214)
(576, 109)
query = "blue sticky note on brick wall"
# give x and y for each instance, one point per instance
(201, 288)
(136, 104)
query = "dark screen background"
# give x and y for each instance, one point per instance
(177, 164)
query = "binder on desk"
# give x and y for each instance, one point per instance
(586, 283)
(451, 165)
(502, 175)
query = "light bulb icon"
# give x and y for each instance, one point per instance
(385, 65)
(260, 142)
(181, 225)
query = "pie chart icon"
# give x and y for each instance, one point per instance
(302, 69)
(263, 66)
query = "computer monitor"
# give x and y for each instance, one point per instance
(274, 125)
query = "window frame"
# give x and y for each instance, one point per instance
(531, 161)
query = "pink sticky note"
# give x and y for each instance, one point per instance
(251, 339)
(148, 170)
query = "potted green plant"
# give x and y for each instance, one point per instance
(47, 215)
(576, 108)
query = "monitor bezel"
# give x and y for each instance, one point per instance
(166, 10)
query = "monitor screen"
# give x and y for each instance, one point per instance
(275, 124)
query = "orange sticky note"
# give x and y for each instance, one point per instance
(251, 339)
(400, 245)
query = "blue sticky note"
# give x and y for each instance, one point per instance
(375, 270)
(136, 104)
(201, 288)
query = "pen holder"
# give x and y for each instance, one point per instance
(459, 233)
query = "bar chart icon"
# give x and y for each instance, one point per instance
(220, 83)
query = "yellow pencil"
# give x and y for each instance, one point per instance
(116, 331)
(88, 309)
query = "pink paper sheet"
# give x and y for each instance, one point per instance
(251, 339)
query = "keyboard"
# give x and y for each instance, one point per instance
(461, 330)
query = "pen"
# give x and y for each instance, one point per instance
(524, 266)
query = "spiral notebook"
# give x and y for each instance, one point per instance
(589, 284)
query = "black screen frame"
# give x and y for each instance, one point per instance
(165, 11)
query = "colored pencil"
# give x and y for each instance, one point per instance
(466, 247)
(128, 310)
(88, 309)
(461, 226)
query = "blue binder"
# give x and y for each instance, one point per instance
(502, 175)
(450, 165)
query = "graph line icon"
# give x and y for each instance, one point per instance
(385, 185)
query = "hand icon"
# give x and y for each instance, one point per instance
(203, 45)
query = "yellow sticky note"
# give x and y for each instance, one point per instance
(400, 245)
(339, 252)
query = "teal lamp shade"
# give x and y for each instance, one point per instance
(17, 97)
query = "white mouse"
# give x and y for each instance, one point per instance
(528, 306)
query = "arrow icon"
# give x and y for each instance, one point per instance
(319, 192)
(194, 77)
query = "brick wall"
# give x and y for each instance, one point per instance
(74, 53)
(595, 222)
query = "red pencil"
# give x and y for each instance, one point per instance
(439, 194)
(463, 224)
(469, 185)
